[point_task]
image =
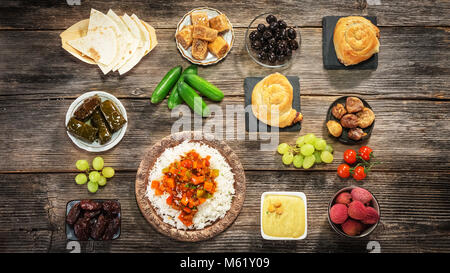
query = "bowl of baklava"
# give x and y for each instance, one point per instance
(96, 121)
(204, 36)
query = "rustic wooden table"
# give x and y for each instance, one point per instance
(409, 93)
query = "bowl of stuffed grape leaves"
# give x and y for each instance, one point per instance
(96, 121)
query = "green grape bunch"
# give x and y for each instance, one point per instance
(307, 151)
(95, 178)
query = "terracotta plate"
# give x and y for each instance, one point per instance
(150, 213)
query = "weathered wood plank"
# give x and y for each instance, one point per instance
(163, 14)
(415, 214)
(33, 65)
(408, 135)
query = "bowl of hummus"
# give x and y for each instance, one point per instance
(283, 216)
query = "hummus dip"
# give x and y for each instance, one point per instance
(283, 216)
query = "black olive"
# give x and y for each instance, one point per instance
(282, 24)
(273, 26)
(288, 52)
(293, 44)
(272, 58)
(261, 28)
(281, 58)
(254, 35)
(271, 18)
(283, 44)
(283, 34)
(272, 41)
(291, 33)
(267, 35)
(262, 55)
(256, 44)
(280, 50)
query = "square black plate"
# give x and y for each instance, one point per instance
(249, 84)
(70, 233)
(330, 60)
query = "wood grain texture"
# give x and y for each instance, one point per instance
(410, 220)
(409, 67)
(409, 93)
(402, 136)
(166, 14)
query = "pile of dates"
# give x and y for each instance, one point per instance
(99, 220)
(274, 42)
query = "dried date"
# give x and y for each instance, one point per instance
(111, 207)
(99, 227)
(90, 205)
(82, 229)
(112, 228)
(73, 214)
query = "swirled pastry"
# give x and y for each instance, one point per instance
(355, 40)
(272, 101)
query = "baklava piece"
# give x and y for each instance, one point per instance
(220, 23)
(204, 33)
(199, 49)
(199, 18)
(184, 36)
(219, 47)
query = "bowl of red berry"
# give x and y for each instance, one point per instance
(354, 212)
(271, 42)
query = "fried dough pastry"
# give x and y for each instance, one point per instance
(272, 101)
(355, 40)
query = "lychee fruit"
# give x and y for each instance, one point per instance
(352, 227)
(357, 210)
(338, 213)
(362, 195)
(372, 216)
(344, 198)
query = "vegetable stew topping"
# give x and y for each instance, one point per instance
(189, 183)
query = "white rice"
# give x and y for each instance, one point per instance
(213, 208)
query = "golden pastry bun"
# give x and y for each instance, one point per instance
(272, 101)
(355, 39)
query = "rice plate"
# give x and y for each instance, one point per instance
(213, 208)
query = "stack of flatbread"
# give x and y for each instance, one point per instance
(114, 43)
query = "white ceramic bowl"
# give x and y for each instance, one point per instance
(96, 146)
(285, 193)
(210, 58)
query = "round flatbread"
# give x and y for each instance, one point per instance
(74, 32)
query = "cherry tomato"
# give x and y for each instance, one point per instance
(359, 173)
(343, 170)
(365, 152)
(350, 156)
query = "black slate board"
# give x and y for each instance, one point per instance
(330, 60)
(249, 84)
(70, 233)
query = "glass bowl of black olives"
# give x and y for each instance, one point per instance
(271, 41)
